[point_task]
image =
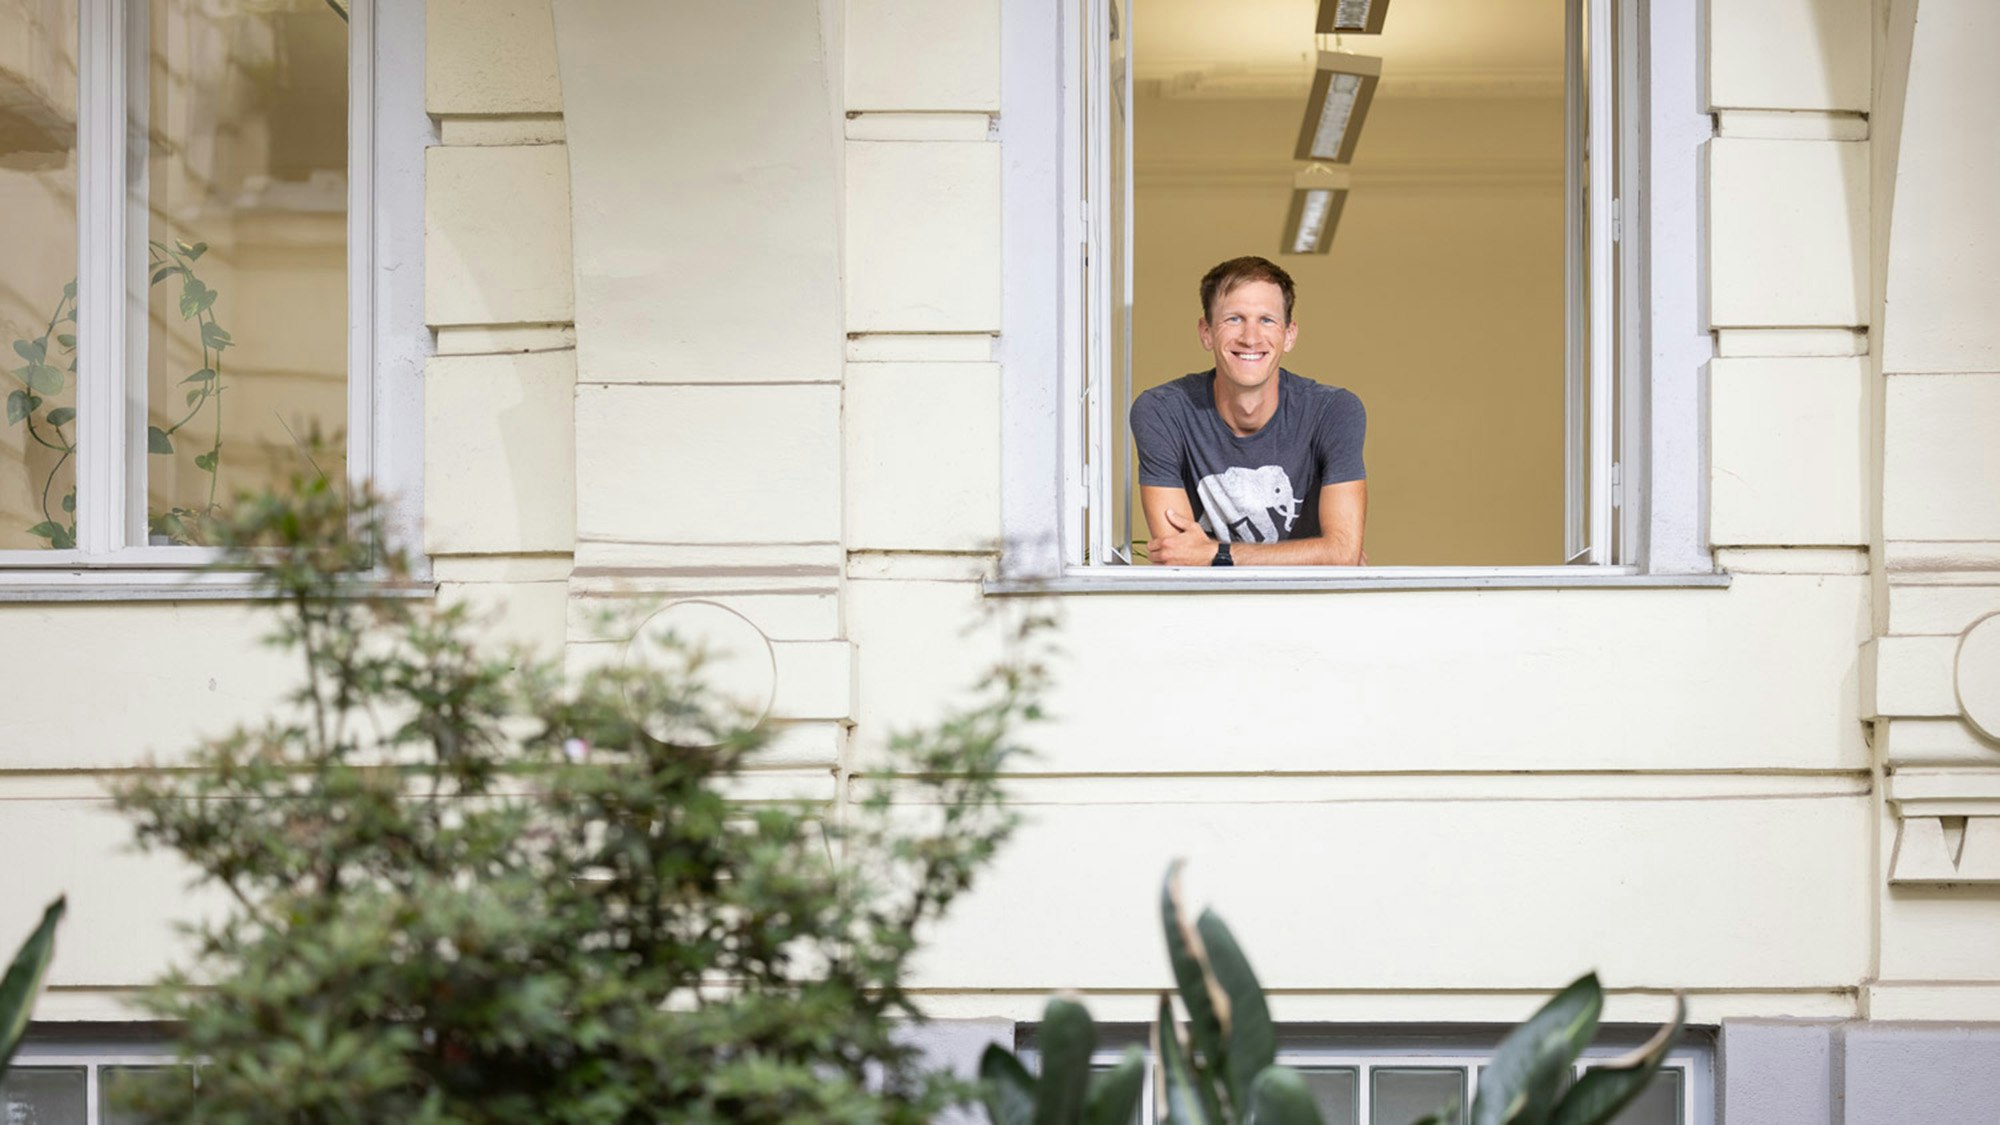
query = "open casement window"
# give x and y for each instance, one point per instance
(188, 197)
(1104, 244)
(1586, 369)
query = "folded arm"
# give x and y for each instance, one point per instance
(1179, 541)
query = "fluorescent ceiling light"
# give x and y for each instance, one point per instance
(1318, 195)
(1342, 88)
(1352, 17)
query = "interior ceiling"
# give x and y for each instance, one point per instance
(1265, 48)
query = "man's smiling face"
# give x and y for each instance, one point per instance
(1248, 332)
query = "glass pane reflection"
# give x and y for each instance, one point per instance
(1337, 1092)
(44, 1095)
(1659, 1105)
(123, 1090)
(246, 257)
(38, 185)
(1403, 1095)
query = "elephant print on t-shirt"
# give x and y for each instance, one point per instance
(1238, 504)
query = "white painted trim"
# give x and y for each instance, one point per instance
(1603, 204)
(100, 239)
(1674, 256)
(401, 342)
(1328, 579)
(1030, 346)
(1576, 291)
(1073, 287)
(360, 243)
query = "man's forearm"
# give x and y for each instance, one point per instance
(1320, 550)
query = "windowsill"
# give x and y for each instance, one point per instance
(83, 584)
(1330, 579)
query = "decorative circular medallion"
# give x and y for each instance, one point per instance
(1979, 675)
(725, 651)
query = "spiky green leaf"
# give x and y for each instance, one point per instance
(1115, 1094)
(1279, 1096)
(1252, 1043)
(1177, 1100)
(1006, 1088)
(1608, 1088)
(24, 980)
(1203, 996)
(1068, 1038)
(1527, 1071)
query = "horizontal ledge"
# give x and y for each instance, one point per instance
(921, 125)
(1411, 1003)
(1490, 787)
(1791, 124)
(166, 590)
(1277, 580)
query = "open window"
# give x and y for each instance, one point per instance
(190, 198)
(1452, 192)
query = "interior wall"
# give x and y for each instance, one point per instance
(1440, 303)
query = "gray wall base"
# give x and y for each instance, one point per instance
(1780, 1072)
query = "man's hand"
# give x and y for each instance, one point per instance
(1186, 544)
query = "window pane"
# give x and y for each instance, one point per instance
(1402, 1096)
(38, 183)
(43, 1095)
(246, 188)
(125, 1094)
(1659, 1105)
(1336, 1091)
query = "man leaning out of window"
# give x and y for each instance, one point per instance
(1247, 464)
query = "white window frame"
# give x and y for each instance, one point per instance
(94, 1055)
(387, 338)
(1406, 1048)
(1639, 452)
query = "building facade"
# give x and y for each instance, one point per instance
(765, 311)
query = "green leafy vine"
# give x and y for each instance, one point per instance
(50, 368)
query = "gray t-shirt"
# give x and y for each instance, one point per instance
(1255, 489)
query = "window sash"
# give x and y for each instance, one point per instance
(112, 232)
(92, 1060)
(1693, 1105)
(1603, 354)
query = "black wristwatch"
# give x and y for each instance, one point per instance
(1222, 555)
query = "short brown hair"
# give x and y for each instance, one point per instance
(1223, 279)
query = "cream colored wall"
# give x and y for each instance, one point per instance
(1367, 781)
(1455, 219)
(1936, 400)
(1405, 800)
